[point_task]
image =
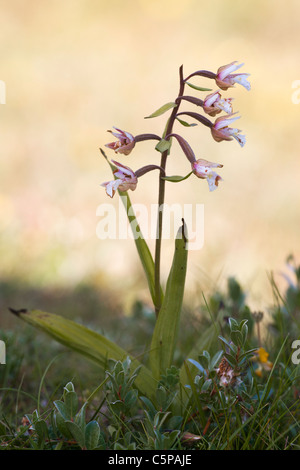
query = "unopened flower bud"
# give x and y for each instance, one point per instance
(189, 439)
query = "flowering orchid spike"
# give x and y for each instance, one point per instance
(226, 79)
(125, 179)
(124, 144)
(220, 130)
(203, 169)
(214, 104)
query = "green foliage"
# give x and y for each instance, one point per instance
(220, 402)
(163, 145)
(142, 249)
(67, 423)
(64, 426)
(163, 109)
(195, 87)
(176, 178)
(144, 253)
(233, 409)
(85, 341)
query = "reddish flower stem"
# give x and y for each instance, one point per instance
(161, 198)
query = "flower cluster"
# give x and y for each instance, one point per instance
(221, 130)
(227, 376)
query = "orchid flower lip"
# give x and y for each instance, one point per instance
(203, 170)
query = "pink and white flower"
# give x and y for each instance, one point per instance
(226, 79)
(125, 179)
(228, 377)
(203, 169)
(214, 104)
(124, 144)
(221, 130)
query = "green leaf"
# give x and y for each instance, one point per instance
(227, 343)
(236, 337)
(163, 109)
(186, 124)
(198, 87)
(130, 398)
(233, 324)
(76, 432)
(163, 145)
(61, 408)
(150, 407)
(142, 249)
(176, 179)
(71, 404)
(69, 388)
(80, 417)
(60, 423)
(92, 434)
(216, 358)
(88, 343)
(42, 429)
(231, 359)
(166, 327)
(140, 243)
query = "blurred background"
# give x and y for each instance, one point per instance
(73, 69)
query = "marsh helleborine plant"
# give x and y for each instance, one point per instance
(167, 302)
(221, 129)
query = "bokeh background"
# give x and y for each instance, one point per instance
(75, 68)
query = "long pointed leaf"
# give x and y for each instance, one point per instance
(199, 88)
(162, 110)
(140, 243)
(88, 343)
(142, 249)
(166, 328)
(176, 179)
